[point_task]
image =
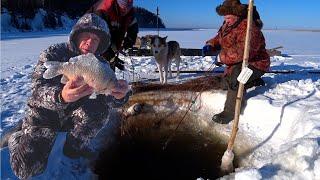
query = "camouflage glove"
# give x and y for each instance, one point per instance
(118, 63)
(128, 43)
(109, 55)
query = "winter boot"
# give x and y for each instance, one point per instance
(228, 113)
(256, 82)
(223, 117)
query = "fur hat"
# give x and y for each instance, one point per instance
(232, 7)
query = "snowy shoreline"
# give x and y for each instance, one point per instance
(282, 118)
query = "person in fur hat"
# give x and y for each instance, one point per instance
(123, 25)
(230, 41)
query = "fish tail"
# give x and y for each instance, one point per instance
(53, 69)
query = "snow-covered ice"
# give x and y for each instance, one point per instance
(282, 118)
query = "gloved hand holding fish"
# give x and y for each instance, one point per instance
(74, 90)
(86, 74)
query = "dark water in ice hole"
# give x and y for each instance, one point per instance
(143, 157)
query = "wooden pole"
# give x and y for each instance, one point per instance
(279, 47)
(158, 19)
(227, 164)
(241, 86)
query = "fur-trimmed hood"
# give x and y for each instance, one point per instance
(91, 23)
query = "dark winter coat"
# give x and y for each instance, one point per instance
(231, 42)
(46, 114)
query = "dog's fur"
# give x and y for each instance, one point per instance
(143, 42)
(164, 52)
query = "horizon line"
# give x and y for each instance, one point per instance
(281, 29)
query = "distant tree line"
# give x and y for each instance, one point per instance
(26, 9)
(147, 19)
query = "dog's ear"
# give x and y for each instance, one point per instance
(151, 38)
(163, 39)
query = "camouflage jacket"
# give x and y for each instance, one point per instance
(44, 106)
(231, 41)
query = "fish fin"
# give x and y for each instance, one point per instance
(64, 79)
(53, 68)
(49, 64)
(93, 96)
(90, 56)
(107, 92)
(73, 59)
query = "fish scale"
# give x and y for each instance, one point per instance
(95, 73)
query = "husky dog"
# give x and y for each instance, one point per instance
(137, 44)
(164, 52)
(143, 42)
(146, 41)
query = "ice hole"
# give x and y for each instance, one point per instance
(150, 151)
(152, 146)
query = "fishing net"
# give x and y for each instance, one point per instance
(204, 83)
